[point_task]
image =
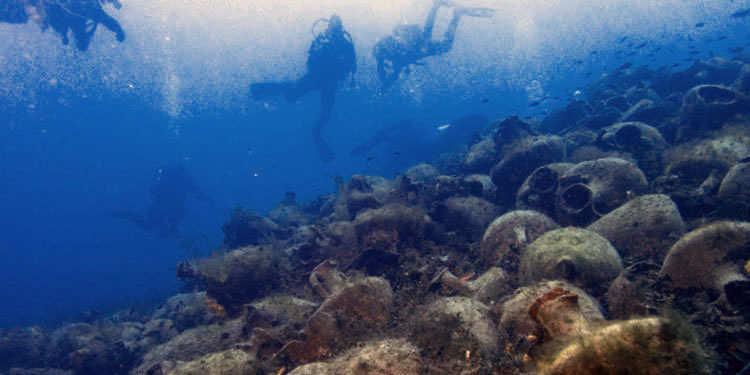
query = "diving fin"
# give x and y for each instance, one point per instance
(477, 12)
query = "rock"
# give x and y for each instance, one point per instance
(712, 71)
(358, 310)
(590, 153)
(522, 159)
(519, 323)
(634, 292)
(712, 257)
(422, 173)
(246, 228)
(709, 106)
(39, 371)
(644, 142)
(601, 118)
(288, 213)
(539, 190)
(239, 276)
(481, 156)
(22, 347)
(479, 185)
(451, 326)
(576, 255)
(327, 280)
(580, 138)
(639, 93)
(368, 300)
(491, 286)
(591, 189)
(386, 357)
(391, 225)
(186, 310)
(192, 344)
(101, 347)
(645, 227)
(152, 333)
(508, 235)
(559, 314)
(647, 345)
(648, 111)
(734, 193)
(695, 170)
(511, 130)
(566, 118)
(228, 362)
(466, 215)
(286, 309)
(365, 192)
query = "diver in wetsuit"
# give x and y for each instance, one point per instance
(79, 17)
(331, 59)
(82, 18)
(410, 43)
(169, 194)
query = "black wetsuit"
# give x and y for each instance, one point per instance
(331, 59)
(396, 53)
(79, 17)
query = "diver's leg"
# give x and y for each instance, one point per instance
(327, 99)
(429, 23)
(300, 87)
(81, 34)
(446, 44)
(110, 23)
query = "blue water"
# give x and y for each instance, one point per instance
(82, 134)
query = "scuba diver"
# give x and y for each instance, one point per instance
(79, 17)
(169, 194)
(330, 60)
(410, 43)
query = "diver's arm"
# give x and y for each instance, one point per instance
(446, 44)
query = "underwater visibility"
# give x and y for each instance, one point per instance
(333, 187)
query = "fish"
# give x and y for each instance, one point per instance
(641, 45)
(443, 127)
(625, 66)
(699, 25)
